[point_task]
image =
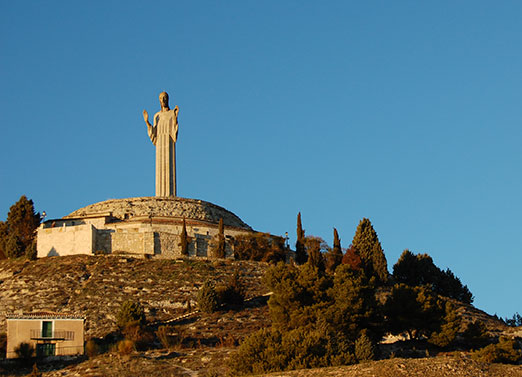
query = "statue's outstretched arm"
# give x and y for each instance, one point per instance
(151, 129)
(146, 118)
(176, 127)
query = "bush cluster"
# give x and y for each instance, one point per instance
(210, 298)
(232, 292)
(475, 334)
(132, 324)
(323, 317)
(317, 319)
(505, 351)
(275, 350)
(260, 247)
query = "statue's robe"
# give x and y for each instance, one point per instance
(163, 135)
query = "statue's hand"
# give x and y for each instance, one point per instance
(145, 116)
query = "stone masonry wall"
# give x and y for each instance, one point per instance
(65, 240)
(141, 226)
(127, 242)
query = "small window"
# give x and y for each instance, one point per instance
(47, 329)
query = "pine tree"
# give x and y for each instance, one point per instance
(367, 243)
(183, 239)
(22, 222)
(335, 254)
(300, 251)
(419, 270)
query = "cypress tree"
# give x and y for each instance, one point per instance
(220, 246)
(300, 250)
(335, 254)
(183, 239)
(367, 244)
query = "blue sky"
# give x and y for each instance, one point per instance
(407, 113)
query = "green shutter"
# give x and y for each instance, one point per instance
(45, 349)
(47, 329)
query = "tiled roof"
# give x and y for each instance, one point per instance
(43, 315)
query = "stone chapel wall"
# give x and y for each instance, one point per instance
(66, 240)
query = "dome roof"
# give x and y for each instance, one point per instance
(167, 207)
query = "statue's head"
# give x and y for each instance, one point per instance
(164, 99)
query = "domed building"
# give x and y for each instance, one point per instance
(143, 226)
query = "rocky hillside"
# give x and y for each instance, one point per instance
(442, 366)
(96, 286)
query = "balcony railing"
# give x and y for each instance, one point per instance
(56, 335)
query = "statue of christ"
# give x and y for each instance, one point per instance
(163, 135)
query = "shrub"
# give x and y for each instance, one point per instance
(130, 312)
(506, 351)
(449, 328)
(3, 344)
(270, 350)
(24, 350)
(163, 335)
(207, 298)
(317, 319)
(364, 348)
(475, 334)
(232, 292)
(138, 334)
(126, 346)
(91, 348)
(259, 247)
